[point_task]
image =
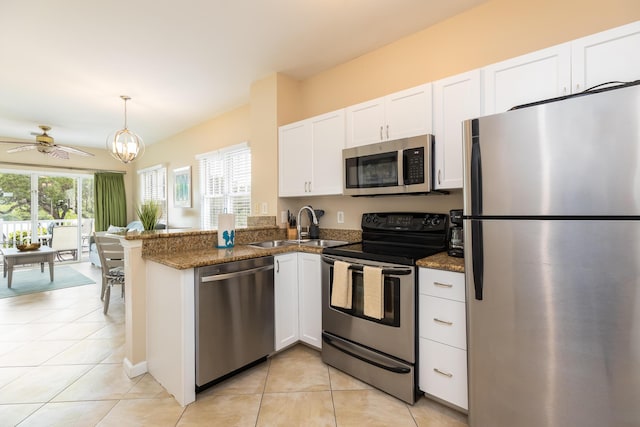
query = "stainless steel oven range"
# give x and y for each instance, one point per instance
(380, 348)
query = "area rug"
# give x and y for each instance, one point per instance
(32, 281)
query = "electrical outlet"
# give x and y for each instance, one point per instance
(283, 217)
(264, 209)
(340, 217)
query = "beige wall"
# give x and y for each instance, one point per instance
(491, 32)
(180, 150)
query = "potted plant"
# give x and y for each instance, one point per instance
(148, 213)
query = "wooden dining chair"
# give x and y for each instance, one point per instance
(111, 255)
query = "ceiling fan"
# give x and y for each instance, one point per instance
(45, 145)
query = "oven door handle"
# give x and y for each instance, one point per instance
(385, 271)
(395, 369)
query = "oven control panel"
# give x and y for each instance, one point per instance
(405, 221)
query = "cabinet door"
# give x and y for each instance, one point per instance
(408, 113)
(442, 284)
(310, 299)
(455, 99)
(607, 56)
(294, 148)
(286, 299)
(443, 320)
(443, 372)
(328, 136)
(365, 123)
(539, 75)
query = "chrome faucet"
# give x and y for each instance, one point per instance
(313, 215)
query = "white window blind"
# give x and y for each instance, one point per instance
(153, 187)
(225, 182)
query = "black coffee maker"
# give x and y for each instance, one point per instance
(456, 235)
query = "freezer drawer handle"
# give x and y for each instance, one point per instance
(477, 261)
(395, 369)
(446, 374)
(443, 285)
(444, 322)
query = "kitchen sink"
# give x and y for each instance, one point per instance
(273, 243)
(324, 243)
(321, 243)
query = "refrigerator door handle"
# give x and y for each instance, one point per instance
(477, 252)
(476, 170)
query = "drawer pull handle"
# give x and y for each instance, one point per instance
(444, 322)
(446, 374)
(443, 285)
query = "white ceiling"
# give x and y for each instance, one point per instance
(65, 63)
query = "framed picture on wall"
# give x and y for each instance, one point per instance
(182, 187)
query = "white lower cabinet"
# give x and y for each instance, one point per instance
(443, 372)
(298, 299)
(286, 299)
(310, 299)
(442, 365)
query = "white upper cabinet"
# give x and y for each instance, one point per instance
(607, 56)
(310, 156)
(399, 115)
(328, 135)
(564, 69)
(455, 99)
(294, 152)
(528, 78)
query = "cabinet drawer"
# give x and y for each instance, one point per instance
(443, 284)
(443, 320)
(443, 372)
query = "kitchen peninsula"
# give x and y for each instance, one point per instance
(159, 305)
(160, 300)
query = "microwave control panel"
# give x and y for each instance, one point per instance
(413, 166)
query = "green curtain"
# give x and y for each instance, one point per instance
(111, 202)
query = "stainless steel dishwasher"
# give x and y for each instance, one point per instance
(234, 317)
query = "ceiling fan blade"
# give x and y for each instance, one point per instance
(23, 148)
(59, 154)
(8, 141)
(73, 150)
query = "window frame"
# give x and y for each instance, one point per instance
(230, 189)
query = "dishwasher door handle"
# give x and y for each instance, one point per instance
(226, 276)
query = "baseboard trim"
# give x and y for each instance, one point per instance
(133, 371)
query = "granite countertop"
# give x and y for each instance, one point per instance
(442, 261)
(202, 257)
(183, 260)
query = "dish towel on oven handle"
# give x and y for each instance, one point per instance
(373, 292)
(341, 287)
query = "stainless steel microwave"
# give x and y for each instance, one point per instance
(400, 166)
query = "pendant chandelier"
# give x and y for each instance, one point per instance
(125, 145)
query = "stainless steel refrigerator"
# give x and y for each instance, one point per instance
(552, 262)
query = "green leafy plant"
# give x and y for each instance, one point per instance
(148, 213)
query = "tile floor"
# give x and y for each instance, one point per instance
(61, 365)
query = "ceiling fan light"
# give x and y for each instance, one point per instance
(125, 145)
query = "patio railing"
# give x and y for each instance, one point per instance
(9, 229)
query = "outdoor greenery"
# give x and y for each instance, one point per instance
(56, 197)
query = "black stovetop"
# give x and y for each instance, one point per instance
(397, 237)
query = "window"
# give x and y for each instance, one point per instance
(153, 187)
(225, 182)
